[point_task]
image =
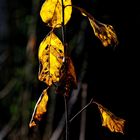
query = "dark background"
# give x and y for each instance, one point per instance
(112, 74)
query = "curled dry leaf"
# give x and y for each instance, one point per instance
(51, 12)
(71, 81)
(51, 54)
(40, 108)
(109, 120)
(68, 79)
(71, 75)
(104, 32)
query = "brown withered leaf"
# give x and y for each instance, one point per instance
(51, 12)
(40, 108)
(71, 72)
(104, 32)
(68, 79)
(51, 54)
(109, 120)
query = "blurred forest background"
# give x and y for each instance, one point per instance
(109, 75)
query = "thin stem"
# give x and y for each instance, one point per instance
(91, 101)
(66, 116)
(65, 51)
(83, 11)
(64, 29)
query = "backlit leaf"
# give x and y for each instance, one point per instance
(40, 108)
(109, 120)
(103, 31)
(51, 54)
(51, 12)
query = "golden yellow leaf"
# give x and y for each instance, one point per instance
(40, 108)
(109, 120)
(103, 31)
(51, 54)
(51, 12)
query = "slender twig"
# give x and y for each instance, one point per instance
(63, 20)
(75, 93)
(65, 51)
(91, 101)
(85, 13)
(66, 116)
(64, 29)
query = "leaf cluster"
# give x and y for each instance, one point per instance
(56, 67)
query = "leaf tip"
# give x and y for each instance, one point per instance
(32, 124)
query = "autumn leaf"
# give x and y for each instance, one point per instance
(71, 72)
(40, 108)
(104, 32)
(51, 54)
(71, 81)
(51, 12)
(109, 120)
(68, 79)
